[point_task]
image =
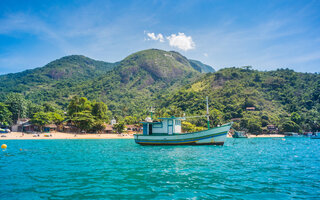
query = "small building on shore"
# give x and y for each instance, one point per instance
(50, 128)
(18, 127)
(113, 121)
(271, 127)
(236, 119)
(24, 125)
(69, 129)
(250, 108)
(108, 128)
(28, 128)
(133, 128)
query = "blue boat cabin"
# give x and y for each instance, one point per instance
(167, 126)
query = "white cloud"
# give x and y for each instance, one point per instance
(181, 41)
(205, 54)
(153, 36)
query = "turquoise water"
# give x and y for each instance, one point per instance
(120, 169)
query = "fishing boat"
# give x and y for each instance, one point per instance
(168, 132)
(240, 134)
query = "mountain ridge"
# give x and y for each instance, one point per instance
(175, 85)
(146, 72)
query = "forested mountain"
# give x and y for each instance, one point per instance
(67, 70)
(127, 86)
(173, 85)
(140, 80)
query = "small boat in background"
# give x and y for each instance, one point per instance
(4, 130)
(315, 136)
(240, 134)
(292, 134)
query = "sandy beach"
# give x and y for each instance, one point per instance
(60, 135)
(267, 136)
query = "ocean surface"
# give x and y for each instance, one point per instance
(257, 168)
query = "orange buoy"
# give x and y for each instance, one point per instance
(3, 146)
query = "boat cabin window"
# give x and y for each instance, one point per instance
(150, 129)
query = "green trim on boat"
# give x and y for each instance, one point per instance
(146, 139)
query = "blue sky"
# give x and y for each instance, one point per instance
(264, 34)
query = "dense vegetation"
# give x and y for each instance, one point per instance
(88, 116)
(171, 83)
(284, 98)
(140, 76)
(47, 83)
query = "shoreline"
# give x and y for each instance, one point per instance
(267, 136)
(264, 136)
(61, 135)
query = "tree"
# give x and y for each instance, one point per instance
(119, 127)
(264, 122)
(130, 120)
(248, 103)
(254, 125)
(189, 127)
(84, 120)
(5, 114)
(308, 104)
(41, 119)
(33, 108)
(48, 107)
(257, 78)
(236, 126)
(100, 111)
(56, 118)
(17, 106)
(295, 117)
(247, 68)
(173, 111)
(216, 117)
(78, 104)
(98, 126)
(87, 115)
(290, 126)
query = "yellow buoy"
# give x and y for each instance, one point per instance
(4, 146)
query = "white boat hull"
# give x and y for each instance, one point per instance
(213, 136)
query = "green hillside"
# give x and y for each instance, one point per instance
(280, 97)
(127, 86)
(173, 85)
(138, 81)
(67, 70)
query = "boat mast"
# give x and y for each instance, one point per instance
(151, 111)
(208, 121)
